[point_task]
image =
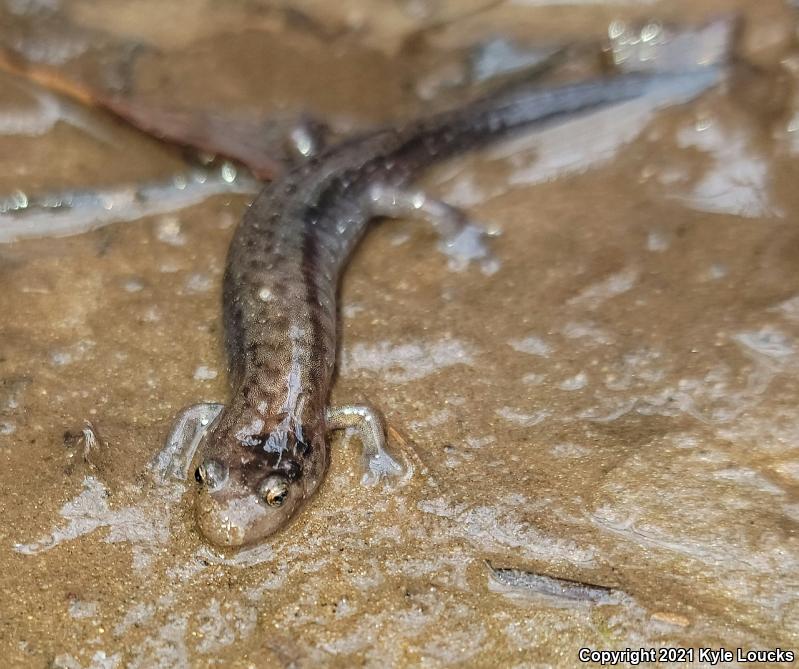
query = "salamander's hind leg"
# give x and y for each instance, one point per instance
(461, 239)
(372, 430)
(188, 429)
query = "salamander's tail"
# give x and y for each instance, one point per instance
(493, 116)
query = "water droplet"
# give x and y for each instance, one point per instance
(616, 29)
(20, 199)
(650, 32)
(303, 140)
(228, 173)
(703, 124)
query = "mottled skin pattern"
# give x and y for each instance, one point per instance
(280, 285)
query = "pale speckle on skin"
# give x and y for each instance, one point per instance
(264, 294)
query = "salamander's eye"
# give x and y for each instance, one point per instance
(274, 490)
(211, 474)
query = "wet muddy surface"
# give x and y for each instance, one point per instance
(615, 403)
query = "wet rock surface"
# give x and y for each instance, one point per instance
(615, 404)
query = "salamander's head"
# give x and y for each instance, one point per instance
(253, 482)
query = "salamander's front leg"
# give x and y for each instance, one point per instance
(188, 429)
(372, 429)
(460, 239)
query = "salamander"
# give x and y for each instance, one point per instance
(267, 452)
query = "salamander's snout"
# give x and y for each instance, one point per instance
(232, 514)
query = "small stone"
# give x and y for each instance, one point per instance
(204, 373)
(670, 618)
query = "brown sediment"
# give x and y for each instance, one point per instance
(259, 145)
(664, 464)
